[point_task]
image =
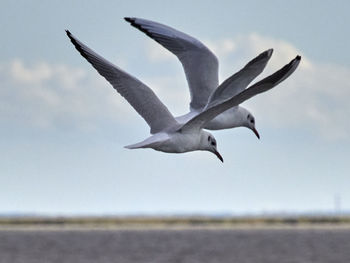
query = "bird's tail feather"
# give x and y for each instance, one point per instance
(135, 146)
(150, 142)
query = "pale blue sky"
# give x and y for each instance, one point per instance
(63, 127)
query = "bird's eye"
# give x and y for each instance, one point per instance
(252, 120)
(213, 143)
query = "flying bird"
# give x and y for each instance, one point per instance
(201, 70)
(168, 134)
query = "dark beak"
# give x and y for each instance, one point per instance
(256, 133)
(218, 155)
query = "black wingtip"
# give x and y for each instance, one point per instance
(298, 57)
(76, 44)
(69, 34)
(132, 21)
(266, 55)
(128, 19)
(269, 52)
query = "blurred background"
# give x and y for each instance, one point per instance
(63, 127)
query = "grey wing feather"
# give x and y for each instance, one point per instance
(266, 84)
(240, 80)
(199, 63)
(141, 97)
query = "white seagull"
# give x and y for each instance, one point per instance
(167, 134)
(201, 69)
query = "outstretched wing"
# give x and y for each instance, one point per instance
(141, 97)
(267, 83)
(240, 80)
(199, 63)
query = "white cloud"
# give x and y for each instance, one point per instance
(48, 96)
(38, 73)
(156, 54)
(222, 48)
(172, 91)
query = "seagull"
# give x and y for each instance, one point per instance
(201, 70)
(167, 134)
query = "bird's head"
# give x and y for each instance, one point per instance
(250, 124)
(244, 118)
(209, 144)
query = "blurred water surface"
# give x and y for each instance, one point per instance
(192, 246)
